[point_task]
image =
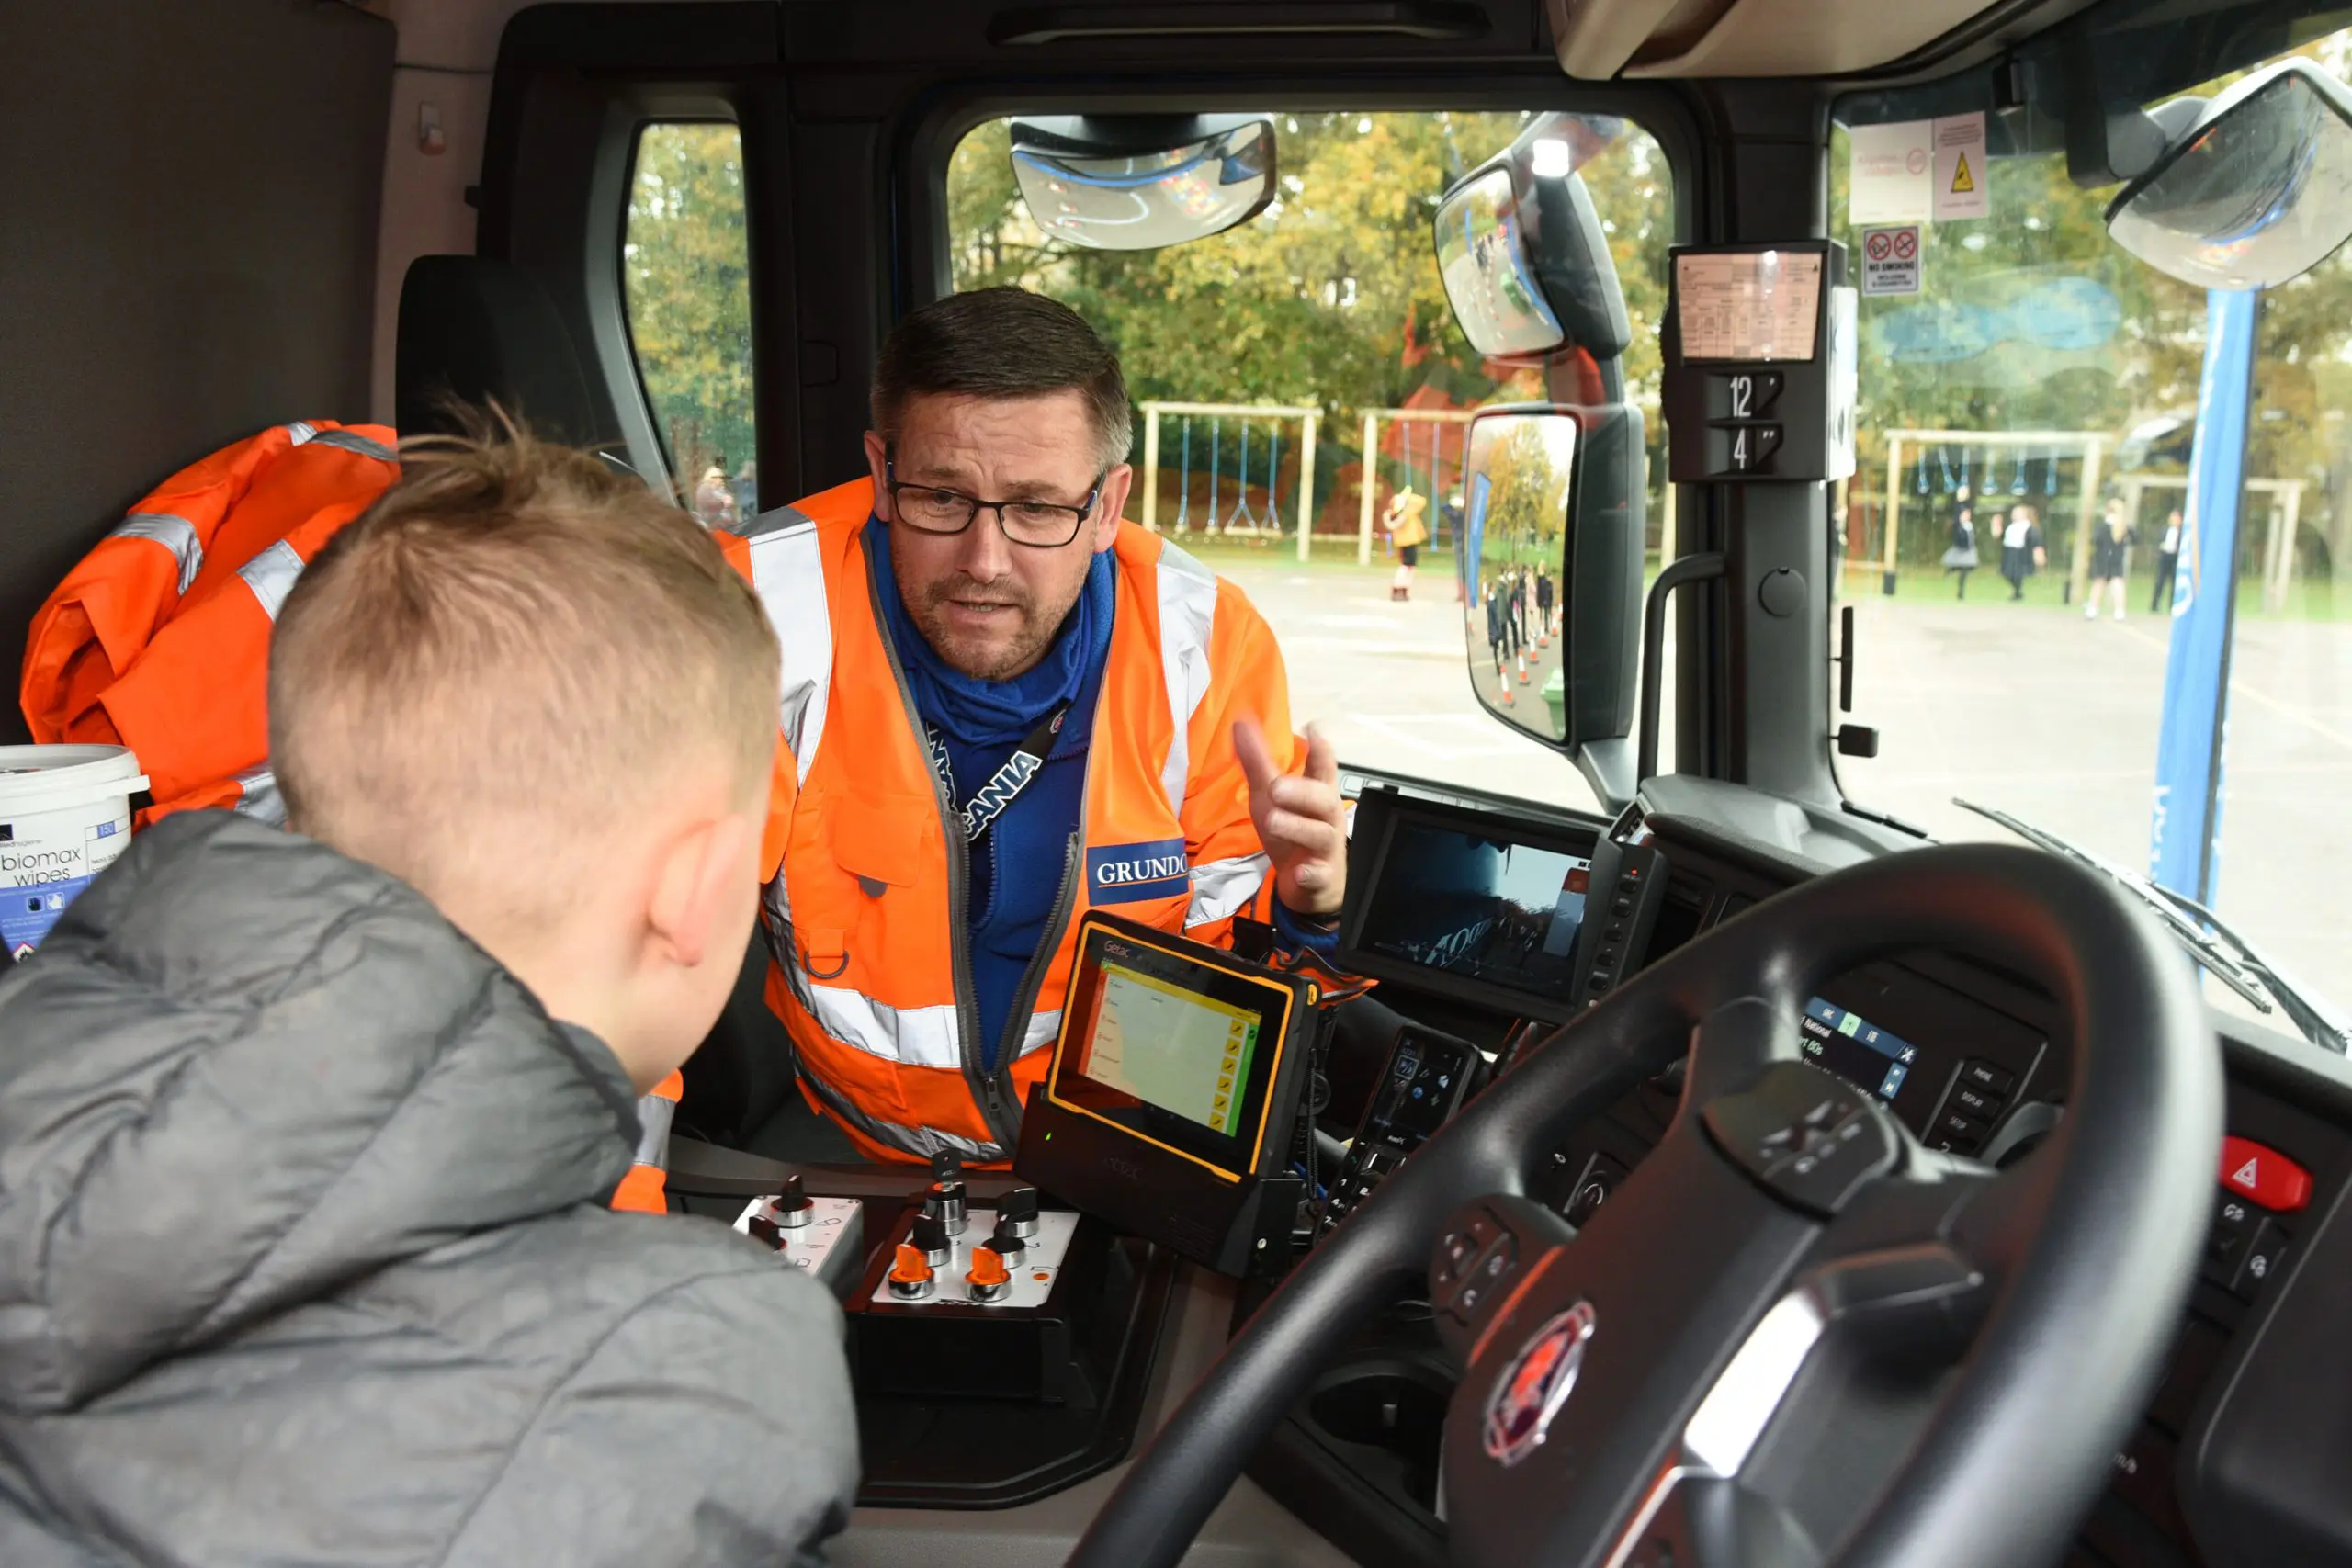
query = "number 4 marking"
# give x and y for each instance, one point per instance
(1739, 449)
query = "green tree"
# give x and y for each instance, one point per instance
(1330, 296)
(686, 265)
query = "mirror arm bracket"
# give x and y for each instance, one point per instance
(1702, 567)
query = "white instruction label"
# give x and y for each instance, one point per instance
(1963, 186)
(1892, 170)
(1752, 305)
(1891, 260)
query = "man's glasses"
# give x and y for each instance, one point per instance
(1041, 524)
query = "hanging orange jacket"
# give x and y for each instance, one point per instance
(159, 639)
(864, 914)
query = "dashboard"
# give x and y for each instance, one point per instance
(1488, 924)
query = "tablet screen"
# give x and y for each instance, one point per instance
(1173, 1046)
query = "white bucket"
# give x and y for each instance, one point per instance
(65, 816)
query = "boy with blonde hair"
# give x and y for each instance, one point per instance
(306, 1138)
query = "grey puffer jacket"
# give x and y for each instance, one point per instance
(303, 1256)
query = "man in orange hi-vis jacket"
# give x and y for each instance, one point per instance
(1003, 706)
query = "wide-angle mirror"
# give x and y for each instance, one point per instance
(1143, 182)
(1489, 278)
(2256, 192)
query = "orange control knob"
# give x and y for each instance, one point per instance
(910, 1273)
(989, 1278)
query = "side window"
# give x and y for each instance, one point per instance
(685, 268)
(1303, 371)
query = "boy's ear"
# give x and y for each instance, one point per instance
(697, 880)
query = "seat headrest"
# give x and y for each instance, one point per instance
(479, 330)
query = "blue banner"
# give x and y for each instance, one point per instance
(1474, 539)
(2184, 827)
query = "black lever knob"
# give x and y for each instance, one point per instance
(1006, 1239)
(945, 1198)
(767, 1232)
(791, 1207)
(929, 1234)
(1017, 1212)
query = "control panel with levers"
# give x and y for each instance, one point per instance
(823, 1236)
(954, 1253)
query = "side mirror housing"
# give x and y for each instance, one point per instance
(1522, 255)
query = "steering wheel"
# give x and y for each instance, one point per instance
(1795, 1335)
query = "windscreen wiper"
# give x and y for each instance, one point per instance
(2225, 955)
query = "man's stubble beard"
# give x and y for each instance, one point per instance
(1035, 635)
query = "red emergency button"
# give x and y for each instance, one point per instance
(2265, 1175)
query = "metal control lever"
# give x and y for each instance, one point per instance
(1006, 1241)
(1016, 1213)
(929, 1236)
(945, 1201)
(791, 1207)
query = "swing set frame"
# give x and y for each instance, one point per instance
(2090, 445)
(1309, 419)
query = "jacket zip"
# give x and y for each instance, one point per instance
(967, 1010)
(1033, 980)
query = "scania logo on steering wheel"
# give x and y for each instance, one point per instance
(1537, 1384)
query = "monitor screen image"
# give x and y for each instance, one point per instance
(1167, 1047)
(1489, 909)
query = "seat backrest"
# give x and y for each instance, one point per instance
(480, 331)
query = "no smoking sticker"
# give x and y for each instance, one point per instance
(1891, 260)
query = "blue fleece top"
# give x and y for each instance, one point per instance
(1015, 868)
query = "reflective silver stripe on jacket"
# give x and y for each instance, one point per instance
(260, 799)
(1043, 1027)
(271, 575)
(352, 441)
(175, 534)
(1187, 615)
(302, 431)
(921, 1142)
(913, 1037)
(653, 1117)
(788, 575)
(1222, 887)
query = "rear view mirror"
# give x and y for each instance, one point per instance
(1521, 253)
(2256, 192)
(1143, 182)
(1551, 571)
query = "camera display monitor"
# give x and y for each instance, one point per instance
(1458, 900)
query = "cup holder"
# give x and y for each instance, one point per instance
(1397, 1409)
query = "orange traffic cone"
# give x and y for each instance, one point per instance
(1522, 668)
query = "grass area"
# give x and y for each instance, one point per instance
(2308, 599)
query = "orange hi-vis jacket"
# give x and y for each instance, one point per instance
(866, 914)
(159, 639)
(646, 1188)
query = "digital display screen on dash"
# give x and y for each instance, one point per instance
(1489, 909)
(1183, 1052)
(1856, 1049)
